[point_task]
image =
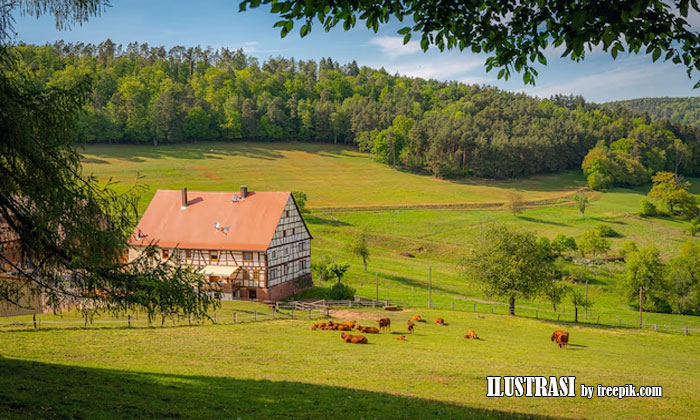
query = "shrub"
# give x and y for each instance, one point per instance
(341, 291)
(694, 226)
(648, 209)
(598, 181)
(606, 231)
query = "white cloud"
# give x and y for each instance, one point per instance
(441, 68)
(614, 83)
(394, 46)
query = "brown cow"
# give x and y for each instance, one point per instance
(319, 326)
(471, 334)
(401, 338)
(350, 324)
(417, 318)
(384, 324)
(342, 327)
(354, 339)
(368, 330)
(410, 326)
(561, 337)
(440, 321)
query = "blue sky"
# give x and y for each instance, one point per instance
(218, 23)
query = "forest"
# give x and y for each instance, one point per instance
(679, 110)
(145, 94)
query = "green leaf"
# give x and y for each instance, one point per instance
(406, 38)
(305, 29)
(404, 31)
(424, 43)
(656, 55)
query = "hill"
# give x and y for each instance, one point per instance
(678, 110)
(145, 94)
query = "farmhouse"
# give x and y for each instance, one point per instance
(249, 244)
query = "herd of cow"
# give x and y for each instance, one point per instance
(384, 324)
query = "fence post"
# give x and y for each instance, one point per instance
(349, 303)
(656, 327)
(685, 330)
(619, 322)
(214, 317)
(235, 317)
(309, 313)
(453, 306)
(128, 320)
(256, 315)
(558, 316)
(292, 313)
(273, 313)
(537, 314)
(491, 308)
(598, 320)
(34, 319)
(475, 307)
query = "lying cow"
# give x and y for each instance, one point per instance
(354, 339)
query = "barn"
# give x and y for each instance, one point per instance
(250, 244)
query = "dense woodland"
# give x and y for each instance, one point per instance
(679, 110)
(144, 94)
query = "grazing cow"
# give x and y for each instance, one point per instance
(401, 338)
(410, 326)
(354, 339)
(440, 321)
(417, 318)
(471, 334)
(368, 330)
(561, 338)
(384, 324)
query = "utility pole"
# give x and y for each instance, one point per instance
(640, 307)
(377, 286)
(430, 287)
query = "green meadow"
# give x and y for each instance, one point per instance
(280, 369)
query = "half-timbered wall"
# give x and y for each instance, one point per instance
(289, 254)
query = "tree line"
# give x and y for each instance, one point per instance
(679, 110)
(143, 94)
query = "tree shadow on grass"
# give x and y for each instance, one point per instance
(547, 222)
(50, 391)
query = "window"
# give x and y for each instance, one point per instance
(286, 269)
(256, 275)
(294, 231)
(166, 253)
(273, 255)
(301, 246)
(213, 255)
(188, 253)
(287, 213)
(247, 256)
(284, 233)
(272, 274)
(303, 264)
(286, 251)
(244, 274)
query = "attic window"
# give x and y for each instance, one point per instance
(213, 255)
(166, 253)
(287, 213)
(247, 256)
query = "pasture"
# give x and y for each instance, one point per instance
(349, 193)
(281, 369)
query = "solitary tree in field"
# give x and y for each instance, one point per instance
(514, 202)
(359, 248)
(555, 292)
(514, 34)
(644, 275)
(338, 270)
(509, 263)
(590, 242)
(579, 300)
(581, 201)
(672, 191)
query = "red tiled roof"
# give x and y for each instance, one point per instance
(252, 221)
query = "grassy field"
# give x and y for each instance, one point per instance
(281, 369)
(332, 176)
(347, 191)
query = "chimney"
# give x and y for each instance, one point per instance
(244, 192)
(184, 199)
